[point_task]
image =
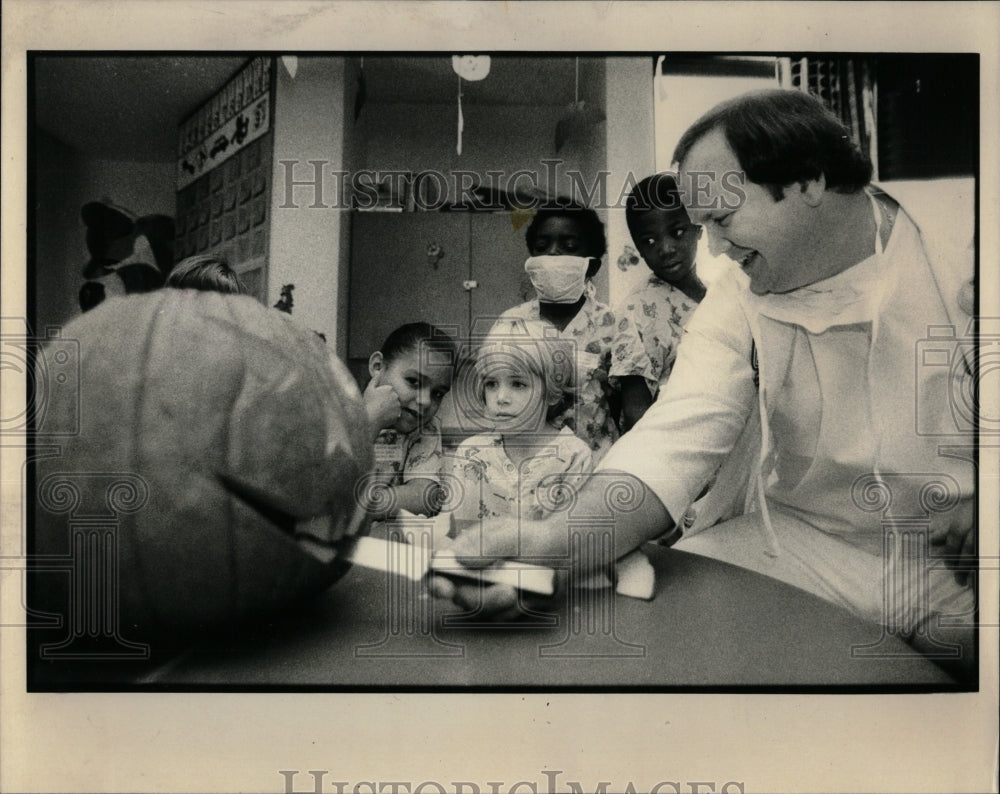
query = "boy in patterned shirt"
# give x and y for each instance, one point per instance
(651, 319)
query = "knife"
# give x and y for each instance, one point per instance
(416, 561)
(411, 560)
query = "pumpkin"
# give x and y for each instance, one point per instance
(210, 427)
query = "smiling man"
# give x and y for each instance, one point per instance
(836, 288)
(779, 186)
(819, 328)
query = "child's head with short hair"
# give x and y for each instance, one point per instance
(206, 273)
(661, 229)
(523, 375)
(418, 361)
(563, 227)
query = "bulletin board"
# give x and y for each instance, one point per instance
(224, 163)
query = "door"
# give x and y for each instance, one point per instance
(393, 280)
(478, 276)
(498, 254)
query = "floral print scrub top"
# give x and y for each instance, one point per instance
(650, 325)
(492, 485)
(401, 457)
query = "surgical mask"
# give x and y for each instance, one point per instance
(558, 279)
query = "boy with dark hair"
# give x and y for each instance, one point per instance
(645, 347)
(410, 375)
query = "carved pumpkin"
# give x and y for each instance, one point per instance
(210, 429)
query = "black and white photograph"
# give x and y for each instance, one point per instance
(401, 391)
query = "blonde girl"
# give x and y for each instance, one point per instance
(523, 379)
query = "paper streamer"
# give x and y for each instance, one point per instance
(461, 119)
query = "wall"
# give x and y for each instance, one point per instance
(306, 241)
(65, 180)
(60, 249)
(353, 154)
(590, 149)
(944, 208)
(501, 138)
(630, 158)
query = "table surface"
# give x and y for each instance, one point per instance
(710, 626)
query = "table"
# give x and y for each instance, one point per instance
(711, 626)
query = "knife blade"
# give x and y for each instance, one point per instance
(415, 561)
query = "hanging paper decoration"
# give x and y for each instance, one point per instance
(291, 64)
(461, 119)
(285, 302)
(472, 68)
(578, 118)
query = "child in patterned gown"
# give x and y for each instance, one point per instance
(523, 377)
(651, 320)
(410, 375)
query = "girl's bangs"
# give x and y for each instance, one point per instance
(500, 358)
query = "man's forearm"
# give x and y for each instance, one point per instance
(609, 515)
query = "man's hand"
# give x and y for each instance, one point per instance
(556, 543)
(497, 602)
(381, 405)
(491, 541)
(954, 533)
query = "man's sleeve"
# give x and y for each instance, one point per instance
(695, 422)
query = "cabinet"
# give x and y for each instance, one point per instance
(393, 281)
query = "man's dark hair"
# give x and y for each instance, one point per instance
(781, 137)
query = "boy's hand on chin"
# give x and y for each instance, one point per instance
(381, 404)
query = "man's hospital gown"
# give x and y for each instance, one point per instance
(860, 445)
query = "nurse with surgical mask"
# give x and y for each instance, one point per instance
(565, 246)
